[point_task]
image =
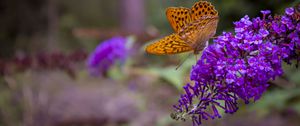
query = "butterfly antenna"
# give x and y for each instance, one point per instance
(183, 61)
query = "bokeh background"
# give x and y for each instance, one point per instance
(44, 80)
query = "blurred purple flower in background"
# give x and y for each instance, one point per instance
(238, 66)
(106, 54)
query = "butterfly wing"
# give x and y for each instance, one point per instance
(196, 34)
(178, 17)
(201, 9)
(171, 44)
(203, 26)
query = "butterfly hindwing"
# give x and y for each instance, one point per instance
(199, 32)
(171, 44)
(178, 17)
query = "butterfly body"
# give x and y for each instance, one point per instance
(193, 28)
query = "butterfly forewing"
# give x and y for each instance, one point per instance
(178, 17)
(202, 8)
(171, 44)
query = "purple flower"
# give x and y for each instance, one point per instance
(106, 55)
(242, 25)
(239, 65)
(263, 32)
(265, 12)
(289, 11)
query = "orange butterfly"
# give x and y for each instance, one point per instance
(193, 28)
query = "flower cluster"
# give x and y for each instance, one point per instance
(106, 55)
(239, 65)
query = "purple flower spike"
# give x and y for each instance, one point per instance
(106, 55)
(239, 65)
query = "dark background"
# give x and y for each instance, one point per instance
(142, 93)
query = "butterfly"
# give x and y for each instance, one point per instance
(193, 28)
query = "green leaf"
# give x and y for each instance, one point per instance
(173, 76)
(276, 99)
(296, 107)
(170, 75)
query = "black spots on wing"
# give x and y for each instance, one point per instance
(169, 45)
(190, 28)
(203, 4)
(185, 13)
(203, 23)
(201, 9)
(172, 36)
(179, 49)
